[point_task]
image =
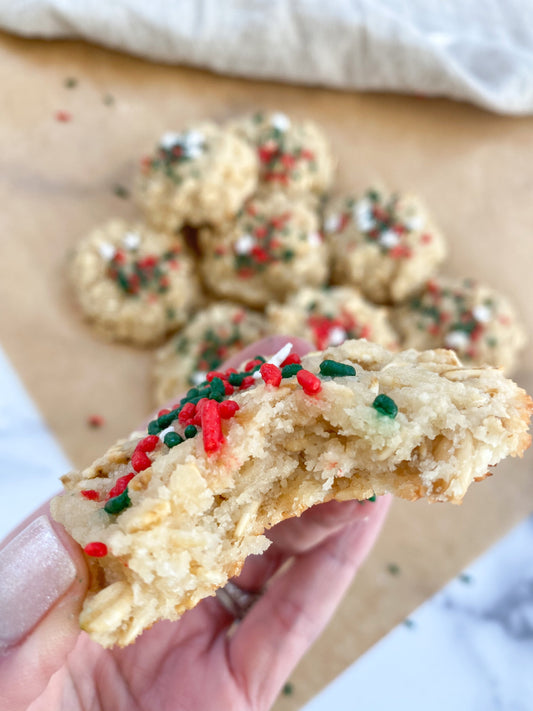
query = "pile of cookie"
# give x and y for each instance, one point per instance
(240, 239)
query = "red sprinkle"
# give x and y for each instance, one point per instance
(96, 549)
(95, 421)
(228, 389)
(140, 460)
(251, 364)
(309, 382)
(271, 374)
(227, 409)
(164, 411)
(63, 116)
(211, 427)
(187, 412)
(120, 485)
(247, 382)
(214, 374)
(290, 359)
(148, 444)
(91, 494)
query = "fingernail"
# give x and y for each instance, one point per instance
(35, 571)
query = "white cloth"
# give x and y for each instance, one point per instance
(465, 49)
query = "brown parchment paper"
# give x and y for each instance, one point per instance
(57, 180)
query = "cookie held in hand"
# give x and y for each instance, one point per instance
(169, 515)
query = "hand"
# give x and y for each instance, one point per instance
(192, 664)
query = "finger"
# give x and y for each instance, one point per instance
(295, 608)
(298, 535)
(43, 579)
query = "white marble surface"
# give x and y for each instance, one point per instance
(469, 648)
(31, 461)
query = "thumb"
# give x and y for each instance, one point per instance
(43, 579)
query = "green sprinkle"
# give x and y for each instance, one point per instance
(260, 357)
(165, 420)
(190, 431)
(108, 99)
(121, 192)
(193, 392)
(393, 569)
(153, 427)
(217, 388)
(171, 439)
(384, 405)
(71, 83)
(236, 379)
(289, 370)
(335, 369)
(372, 498)
(288, 689)
(118, 503)
(465, 578)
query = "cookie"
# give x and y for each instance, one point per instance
(294, 156)
(168, 515)
(212, 336)
(384, 244)
(479, 324)
(201, 175)
(328, 317)
(133, 284)
(272, 249)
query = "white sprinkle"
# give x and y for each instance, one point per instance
(337, 335)
(198, 377)
(277, 358)
(362, 213)
(162, 434)
(244, 244)
(193, 151)
(280, 121)
(131, 240)
(415, 223)
(482, 313)
(106, 251)
(170, 139)
(332, 223)
(456, 339)
(389, 239)
(314, 239)
(194, 138)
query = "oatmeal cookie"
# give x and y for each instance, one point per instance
(294, 156)
(272, 249)
(212, 336)
(201, 175)
(384, 244)
(475, 321)
(132, 283)
(168, 515)
(330, 316)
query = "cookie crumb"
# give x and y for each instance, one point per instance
(393, 569)
(108, 99)
(70, 83)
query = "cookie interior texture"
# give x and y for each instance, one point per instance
(195, 517)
